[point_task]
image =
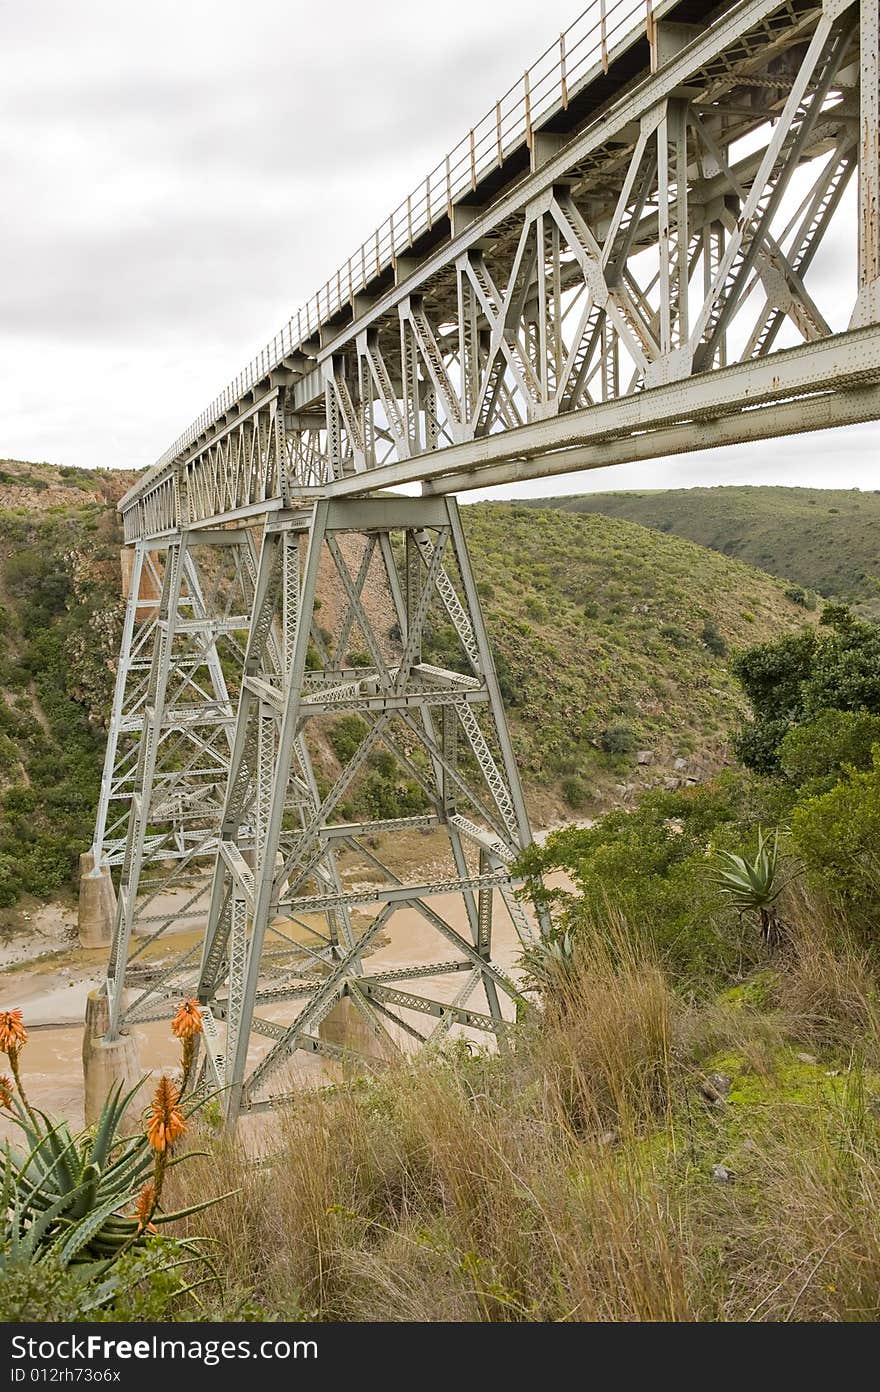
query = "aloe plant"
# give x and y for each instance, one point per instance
(66, 1199)
(549, 961)
(754, 886)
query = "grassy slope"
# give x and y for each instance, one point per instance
(596, 623)
(823, 539)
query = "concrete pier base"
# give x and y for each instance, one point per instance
(97, 903)
(346, 1027)
(107, 1062)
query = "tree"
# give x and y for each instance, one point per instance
(798, 677)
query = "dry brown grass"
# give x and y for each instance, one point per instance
(573, 1178)
(828, 987)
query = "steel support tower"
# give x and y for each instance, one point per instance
(624, 259)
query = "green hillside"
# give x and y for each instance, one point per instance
(611, 642)
(822, 539)
(60, 611)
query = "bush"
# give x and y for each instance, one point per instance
(575, 792)
(712, 639)
(618, 739)
(820, 748)
(652, 868)
(797, 678)
(346, 735)
(838, 837)
(675, 635)
(801, 597)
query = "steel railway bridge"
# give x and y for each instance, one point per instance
(616, 263)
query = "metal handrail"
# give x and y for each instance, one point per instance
(549, 83)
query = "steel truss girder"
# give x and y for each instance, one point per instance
(637, 256)
(264, 864)
(639, 292)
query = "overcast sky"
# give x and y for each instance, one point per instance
(178, 177)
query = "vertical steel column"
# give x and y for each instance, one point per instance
(490, 676)
(122, 674)
(264, 867)
(154, 710)
(673, 226)
(867, 310)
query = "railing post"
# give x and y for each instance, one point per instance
(562, 73)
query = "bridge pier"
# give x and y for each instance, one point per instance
(106, 1062)
(348, 1028)
(283, 815)
(97, 902)
(367, 645)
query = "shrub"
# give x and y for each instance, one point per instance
(618, 739)
(675, 635)
(800, 676)
(650, 867)
(819, 749)
(346, 735)
(801, 597)
(712, 639)
(575, 792)
(837, 835)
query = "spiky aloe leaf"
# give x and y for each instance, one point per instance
(40, 1226)
(89, 1182)
(8, 1182)
(106, 1130)
(193, 1208)
(86, 1228)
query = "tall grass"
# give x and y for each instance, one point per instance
(589, 1173)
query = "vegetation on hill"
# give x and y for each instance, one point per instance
(684, 1125)
(812, 772)
(612, 640)
(611, 644)
(685, 1122)
(60, 607)
(821, 539)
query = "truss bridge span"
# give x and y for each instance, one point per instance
(625, 258)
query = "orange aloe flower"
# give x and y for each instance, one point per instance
(145, 1207)
(5, 1091)
(166, 1121)
(12, 1032)
(188, 1020)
